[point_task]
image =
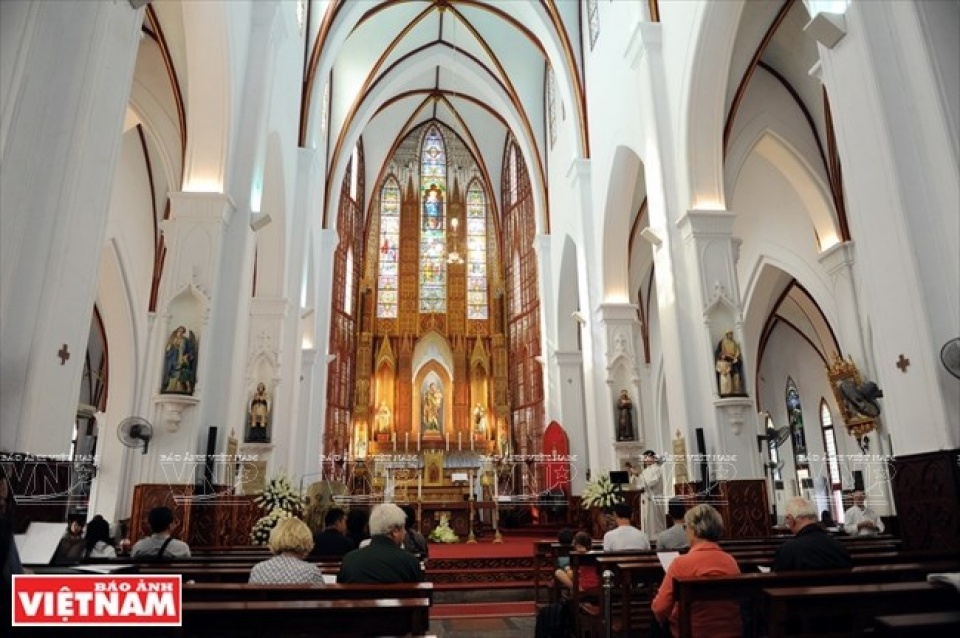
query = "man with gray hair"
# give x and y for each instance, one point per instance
(812, 547)
(383, 560)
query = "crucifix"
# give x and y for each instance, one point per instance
(903, 363)
(64, 354)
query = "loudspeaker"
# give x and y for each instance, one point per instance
(206, 485)
(857, 480)
(704, 466)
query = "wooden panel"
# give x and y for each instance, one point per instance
(223, 520)
(926, 491)
(746, 508)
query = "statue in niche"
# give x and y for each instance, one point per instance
(479, 419)
(180, 362)
(432, 408)
(258, 414)
(383, 418)
(624, 417)
(729, 367)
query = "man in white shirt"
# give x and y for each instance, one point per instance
(861, 520)
(624, 536)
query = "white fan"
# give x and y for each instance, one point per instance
(950, 356)
(135, 432)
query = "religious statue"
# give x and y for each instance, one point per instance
(180, 362)
(479, 419)
(729, 367)
(259, 414)
(624, 417)
(383, 418)
(432, 408)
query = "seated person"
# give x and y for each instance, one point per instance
(812, 547)
(383, 560)
(414, 542)
(565, 540)
(290, 541)
(97, 542)
(332, 541)
(358, 529)
(861, 520)
(675, 537)
(160, 544)
(720, 619)
(624, 536)
(70, 549)
(587, 579)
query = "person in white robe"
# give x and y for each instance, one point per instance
(650, 483)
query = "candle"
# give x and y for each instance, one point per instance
(447, 439)
(460, 441)
(471, 443)
(420, 486)
(418, 444)
(406, 442)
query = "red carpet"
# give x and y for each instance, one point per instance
(519, 548)
(481, 610)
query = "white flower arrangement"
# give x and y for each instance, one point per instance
(280, 494)
(442, 532)
(601, 493)
(260, 534)
(279, 500)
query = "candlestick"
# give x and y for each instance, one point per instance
(420, 486)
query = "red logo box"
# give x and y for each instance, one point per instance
(96, 600)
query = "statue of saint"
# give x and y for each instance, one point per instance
(479, 419)
(432, 408)
(624, 417)
(729, 367)
(259, 414)
(383, 417)
(180, 363)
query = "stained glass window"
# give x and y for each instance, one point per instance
(795, 415)
(388, 273)
(476, 252)
(433, 239)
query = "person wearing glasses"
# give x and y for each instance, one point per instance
(812, 546)
(384, 560)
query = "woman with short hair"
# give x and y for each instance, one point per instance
(719, 619)
(290, 541)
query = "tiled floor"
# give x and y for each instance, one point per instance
(516, 627)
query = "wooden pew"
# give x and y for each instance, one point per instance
(748, 587)
(240, 592)
(302, 618)
(849, 610)
(929, 625)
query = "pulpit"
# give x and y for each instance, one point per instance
(217, 519)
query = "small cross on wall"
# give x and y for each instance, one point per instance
(64, 354)
(903, 363)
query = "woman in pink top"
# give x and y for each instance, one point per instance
(721, 619)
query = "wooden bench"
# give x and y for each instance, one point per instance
(929, 625)
(239, 592)
(302, 618)
(748, 587)
(849, 610)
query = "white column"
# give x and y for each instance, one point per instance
(902, 190)
(66, 74)
(572, 416)
(548, 337)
